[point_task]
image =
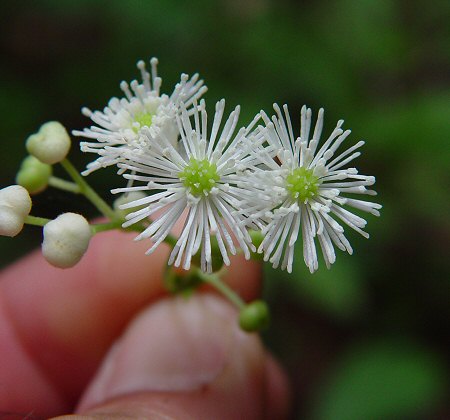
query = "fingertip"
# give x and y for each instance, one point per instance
(182, 359)
(121, 266)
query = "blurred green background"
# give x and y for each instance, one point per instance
(369, 338)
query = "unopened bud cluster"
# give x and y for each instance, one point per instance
(67, 237)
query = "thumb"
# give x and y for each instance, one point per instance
(186, 359)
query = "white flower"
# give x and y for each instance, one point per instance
(15, 205)
(66, 239)
(202, 177)
(302, 186)
(119, 125)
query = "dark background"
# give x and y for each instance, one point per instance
(367, 339)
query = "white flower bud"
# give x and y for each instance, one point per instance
(66, 239)
(15, 205)
(50, 144)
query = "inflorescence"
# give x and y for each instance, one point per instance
(226, 185)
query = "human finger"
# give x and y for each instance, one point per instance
(58, 324)
(186, 359)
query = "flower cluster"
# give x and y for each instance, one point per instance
(220, 185)
(228, 180)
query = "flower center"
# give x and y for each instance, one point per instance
(302, 184)
(144, 119)
(199, 176)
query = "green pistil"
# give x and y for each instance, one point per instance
(302, 184)
(199, 176)
(144, 119)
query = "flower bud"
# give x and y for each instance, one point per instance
(50, 144)
(66, 239)
(254, 316)
(34, 175)
(128, 198)
(15, 205)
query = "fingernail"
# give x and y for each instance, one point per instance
(177, 344)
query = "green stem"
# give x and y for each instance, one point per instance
(87, 191)
(64, 185)
(215, 281)
(36, 221)
(138, 227)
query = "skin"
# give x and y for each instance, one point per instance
(57, 328)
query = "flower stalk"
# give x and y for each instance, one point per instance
(64, 185)
(36, 221)
(87, 191)
(215, 281)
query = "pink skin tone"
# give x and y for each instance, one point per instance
(57, 328)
